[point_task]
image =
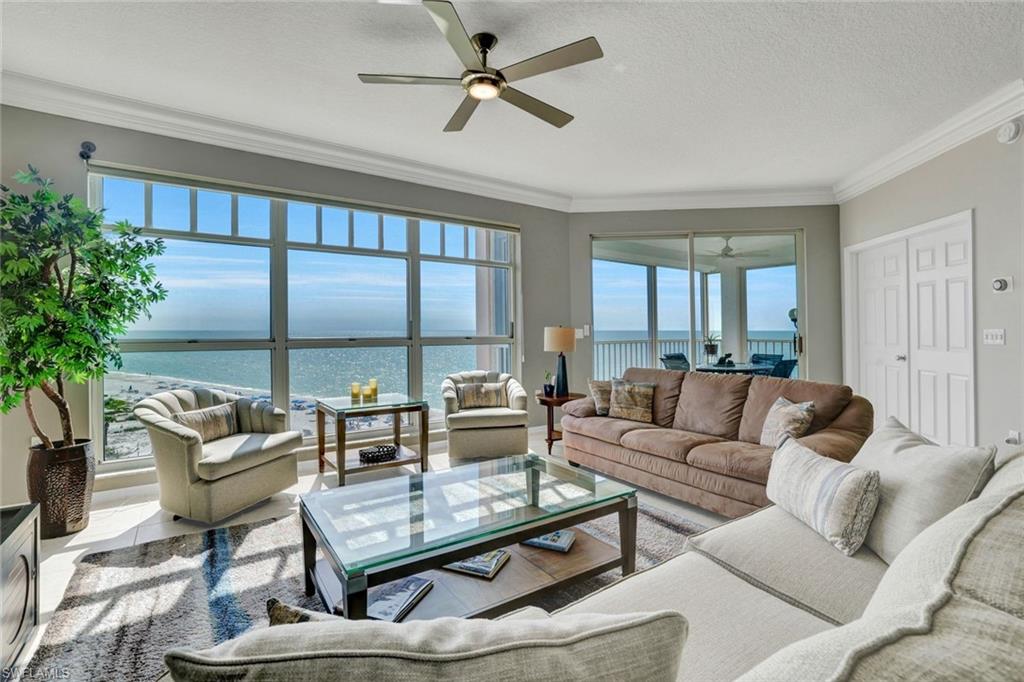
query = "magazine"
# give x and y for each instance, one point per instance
(393, 601)
(559, 541)
(484, 565)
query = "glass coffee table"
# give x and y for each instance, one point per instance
(376, 532)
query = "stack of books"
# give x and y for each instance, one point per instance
(393, 602)
(484, 565)
(559, 541)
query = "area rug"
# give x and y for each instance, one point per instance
(124, 608)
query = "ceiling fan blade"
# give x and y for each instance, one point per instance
(397, 79)
(532, 105)
(458, 120)
(447, 19)
(568, 55)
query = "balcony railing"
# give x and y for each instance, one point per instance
(612, 358)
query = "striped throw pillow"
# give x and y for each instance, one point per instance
(835, 499)
(786, 419)
(632, 401)
(487, 394)
(211, 423)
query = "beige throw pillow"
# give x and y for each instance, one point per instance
(835, 499)
(920, 483)
(211, 423)
(633, 647)
(601, 392)
(786, 419)
(487, 394)
(632, 401)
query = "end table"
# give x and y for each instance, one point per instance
(551, 403)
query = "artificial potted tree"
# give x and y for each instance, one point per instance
(67, 292)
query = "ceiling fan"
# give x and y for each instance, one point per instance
(729, 252)
(482, 82)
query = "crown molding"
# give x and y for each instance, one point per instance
(1001, 106)
(51, 97)
(814, 196)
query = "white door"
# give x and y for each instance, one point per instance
(883, 376)
(941, 334)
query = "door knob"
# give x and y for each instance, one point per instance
(901, 358)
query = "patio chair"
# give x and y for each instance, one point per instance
(765, 359)
(783, 369)
(676, 361)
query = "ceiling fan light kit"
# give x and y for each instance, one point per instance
(481, 82)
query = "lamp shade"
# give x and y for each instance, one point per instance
(559, 339)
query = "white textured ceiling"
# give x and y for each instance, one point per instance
(689, 96)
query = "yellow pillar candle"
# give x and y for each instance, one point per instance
(373, 388)
(367, 394)
(355, 392)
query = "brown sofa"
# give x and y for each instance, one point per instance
(703, 446)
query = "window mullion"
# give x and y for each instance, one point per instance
(279, 377)
(415, 313)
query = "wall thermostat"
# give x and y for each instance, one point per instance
(1001, 285)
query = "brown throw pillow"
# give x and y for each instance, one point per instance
(632, 401)
(786, 419)
(488, 394)
(286, 614)
(210, 422)
(601, 392)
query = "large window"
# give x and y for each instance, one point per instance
(293, 299)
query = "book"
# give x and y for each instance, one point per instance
(484, 565)
(559, 541)
(393, 601)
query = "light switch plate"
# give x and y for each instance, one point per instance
(994, 337)
(579, 333)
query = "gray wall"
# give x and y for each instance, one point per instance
(821, 285)
(988, 178)
(51, 144)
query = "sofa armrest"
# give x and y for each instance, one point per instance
(839, 444)
(517, 399)
(450, 395)
(582, 407)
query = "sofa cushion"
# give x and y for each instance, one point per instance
(241, 451)
(669, 443)
(712, 404)
(829, 401)
(487, 417)
(570, 648)
(920, 483)
(1009, 472)
(733, 458)
(950, 607)
(667, 383)
(210, 423)
(631, 401)
(733, 625)
(775, 550)
(601, 394)
(608, 429)
(836, 499)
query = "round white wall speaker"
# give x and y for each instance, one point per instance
(1009, 132)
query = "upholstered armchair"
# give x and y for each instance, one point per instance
(209, 481)
(481, 432)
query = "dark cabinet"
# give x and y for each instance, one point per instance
(19, 576)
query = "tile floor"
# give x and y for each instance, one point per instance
(128, 516)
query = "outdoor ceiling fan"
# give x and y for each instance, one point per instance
(729, 252)
(482, 82)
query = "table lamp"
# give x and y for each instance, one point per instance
(560, 340)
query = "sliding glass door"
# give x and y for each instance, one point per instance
(687, 301)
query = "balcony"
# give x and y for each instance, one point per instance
(611, 358)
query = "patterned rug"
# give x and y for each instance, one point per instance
(124, 608)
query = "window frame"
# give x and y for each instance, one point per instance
(279, 344)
